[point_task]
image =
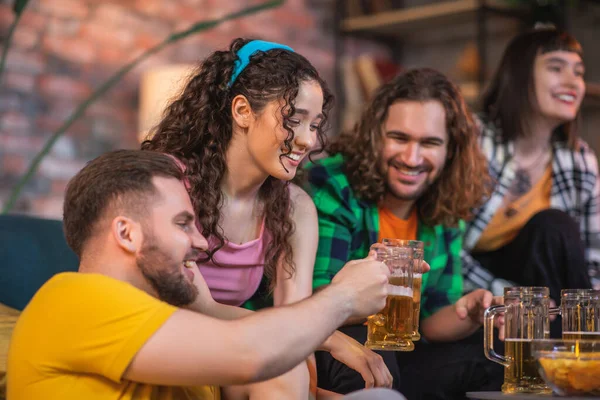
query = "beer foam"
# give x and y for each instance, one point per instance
(394, 290)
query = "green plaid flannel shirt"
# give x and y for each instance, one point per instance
(348, 227)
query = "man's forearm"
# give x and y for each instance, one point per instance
(445, 326)
(349, 321)
(274, 337)
(223, 311)
(207, 306)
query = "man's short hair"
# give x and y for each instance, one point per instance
(119, 180)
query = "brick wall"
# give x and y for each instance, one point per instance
(63, 49)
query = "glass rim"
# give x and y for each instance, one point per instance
(514, 291)
(571, 293)
(418, 244)
(539, 344)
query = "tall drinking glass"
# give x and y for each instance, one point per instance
(580, 311)
(392, 327)
(417, 252)
(526, 311)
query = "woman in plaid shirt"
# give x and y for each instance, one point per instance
(540, 226)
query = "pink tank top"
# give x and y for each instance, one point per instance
(240, 266)
(239, 271)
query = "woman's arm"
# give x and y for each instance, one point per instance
(290, 290)
(304, 243)
(205, 304)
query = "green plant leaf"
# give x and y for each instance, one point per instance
(80, 110)
(19, 6)
(203, 25)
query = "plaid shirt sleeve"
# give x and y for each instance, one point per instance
(444, 285)
(337, 221)
(476, 276)
(590, 219)
(575, 190)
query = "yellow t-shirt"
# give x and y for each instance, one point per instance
(393, 227)
(510, 219)
(77, 336)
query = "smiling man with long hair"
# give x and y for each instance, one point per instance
(409, 169)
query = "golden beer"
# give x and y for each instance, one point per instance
(417, 282)
(522, 375)
(580, 311)
(581, 335)
(392, 327)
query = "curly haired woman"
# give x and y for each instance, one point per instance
(243, 123)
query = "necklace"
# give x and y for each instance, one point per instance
(522, 183)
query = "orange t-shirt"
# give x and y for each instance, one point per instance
(510, 218)
(390, 226)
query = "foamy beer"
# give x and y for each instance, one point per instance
(417, 253)
(392, 327)
(580, 311)
(526, 311)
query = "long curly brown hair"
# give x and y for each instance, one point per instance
(197, 128)
(464, 181)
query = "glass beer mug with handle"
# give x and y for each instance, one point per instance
(526, 311)
(417, 255)
(580, 311)
(392, 327)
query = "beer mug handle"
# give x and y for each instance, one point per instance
(554, 311)
(488, 329)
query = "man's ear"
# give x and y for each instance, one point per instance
(127, 233)
(241, 111)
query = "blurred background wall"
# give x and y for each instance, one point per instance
(63, 49)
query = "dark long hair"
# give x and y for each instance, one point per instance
(464, 181)
(510, 99)
(197, 129)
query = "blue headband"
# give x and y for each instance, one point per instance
(248, 50)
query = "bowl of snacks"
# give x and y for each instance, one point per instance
(569, 367)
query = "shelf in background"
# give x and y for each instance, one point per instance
(400, 21)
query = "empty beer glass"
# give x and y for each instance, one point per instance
(580, 311)
(392, 327)
(417, 252)
(526, 311)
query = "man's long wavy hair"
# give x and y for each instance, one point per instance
(464, 181)
(197, 129)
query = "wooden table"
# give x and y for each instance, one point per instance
(8, 318)
(522, 396)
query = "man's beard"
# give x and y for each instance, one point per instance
(165, 276)
(412, 196)
(420, 191)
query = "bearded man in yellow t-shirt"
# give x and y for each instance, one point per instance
(114, 330)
